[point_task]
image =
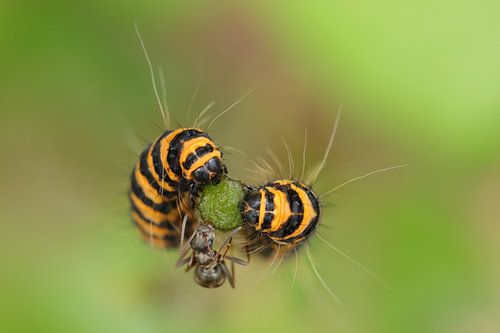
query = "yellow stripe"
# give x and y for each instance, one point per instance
(282, 211)
(164, 147)
(298, 240)
(152, 215)
(155, 242)
(146, 187)
(190, 148)
(309, 212)
(262, 210)
(165, 186)
(150, 228)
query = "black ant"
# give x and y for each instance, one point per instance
(210, 267)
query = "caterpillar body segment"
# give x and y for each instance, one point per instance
(285, 211)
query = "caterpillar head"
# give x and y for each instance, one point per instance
(250, 206)
(209, 173)
(201, 160)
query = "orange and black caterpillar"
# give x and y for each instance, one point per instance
(169, 172)
(284, 213)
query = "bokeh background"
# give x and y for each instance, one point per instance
(419, 81)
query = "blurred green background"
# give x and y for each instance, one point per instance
(419, 81)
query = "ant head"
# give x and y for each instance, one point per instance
(211, 276)
(203, 239)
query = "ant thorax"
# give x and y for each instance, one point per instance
(205, 258)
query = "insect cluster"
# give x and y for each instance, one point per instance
(167, 187)
(180, 189)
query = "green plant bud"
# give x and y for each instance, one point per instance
(219, 204)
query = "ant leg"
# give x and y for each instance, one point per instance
(183, 250)
(247, 252)
(226, 250)
(233, 274)
(229, 238)
(187, 260)
(183, 233)
(191, 263)
(230, 275)
(182, 262)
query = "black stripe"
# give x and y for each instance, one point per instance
(252, 198)
(269, 200)
(296, 219)
(190, 161)
(269, 215)
(144, 170)
(287, 228)
(249, 206)
(314, 200)
(161, 173)
(307, 231)
(310, 193)
(206, 149)
(268, 219)
(164, 207)
(313, 224)
(169, 239)
(198, 153)
(176, 145)
(296, 204)
(162, 224)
